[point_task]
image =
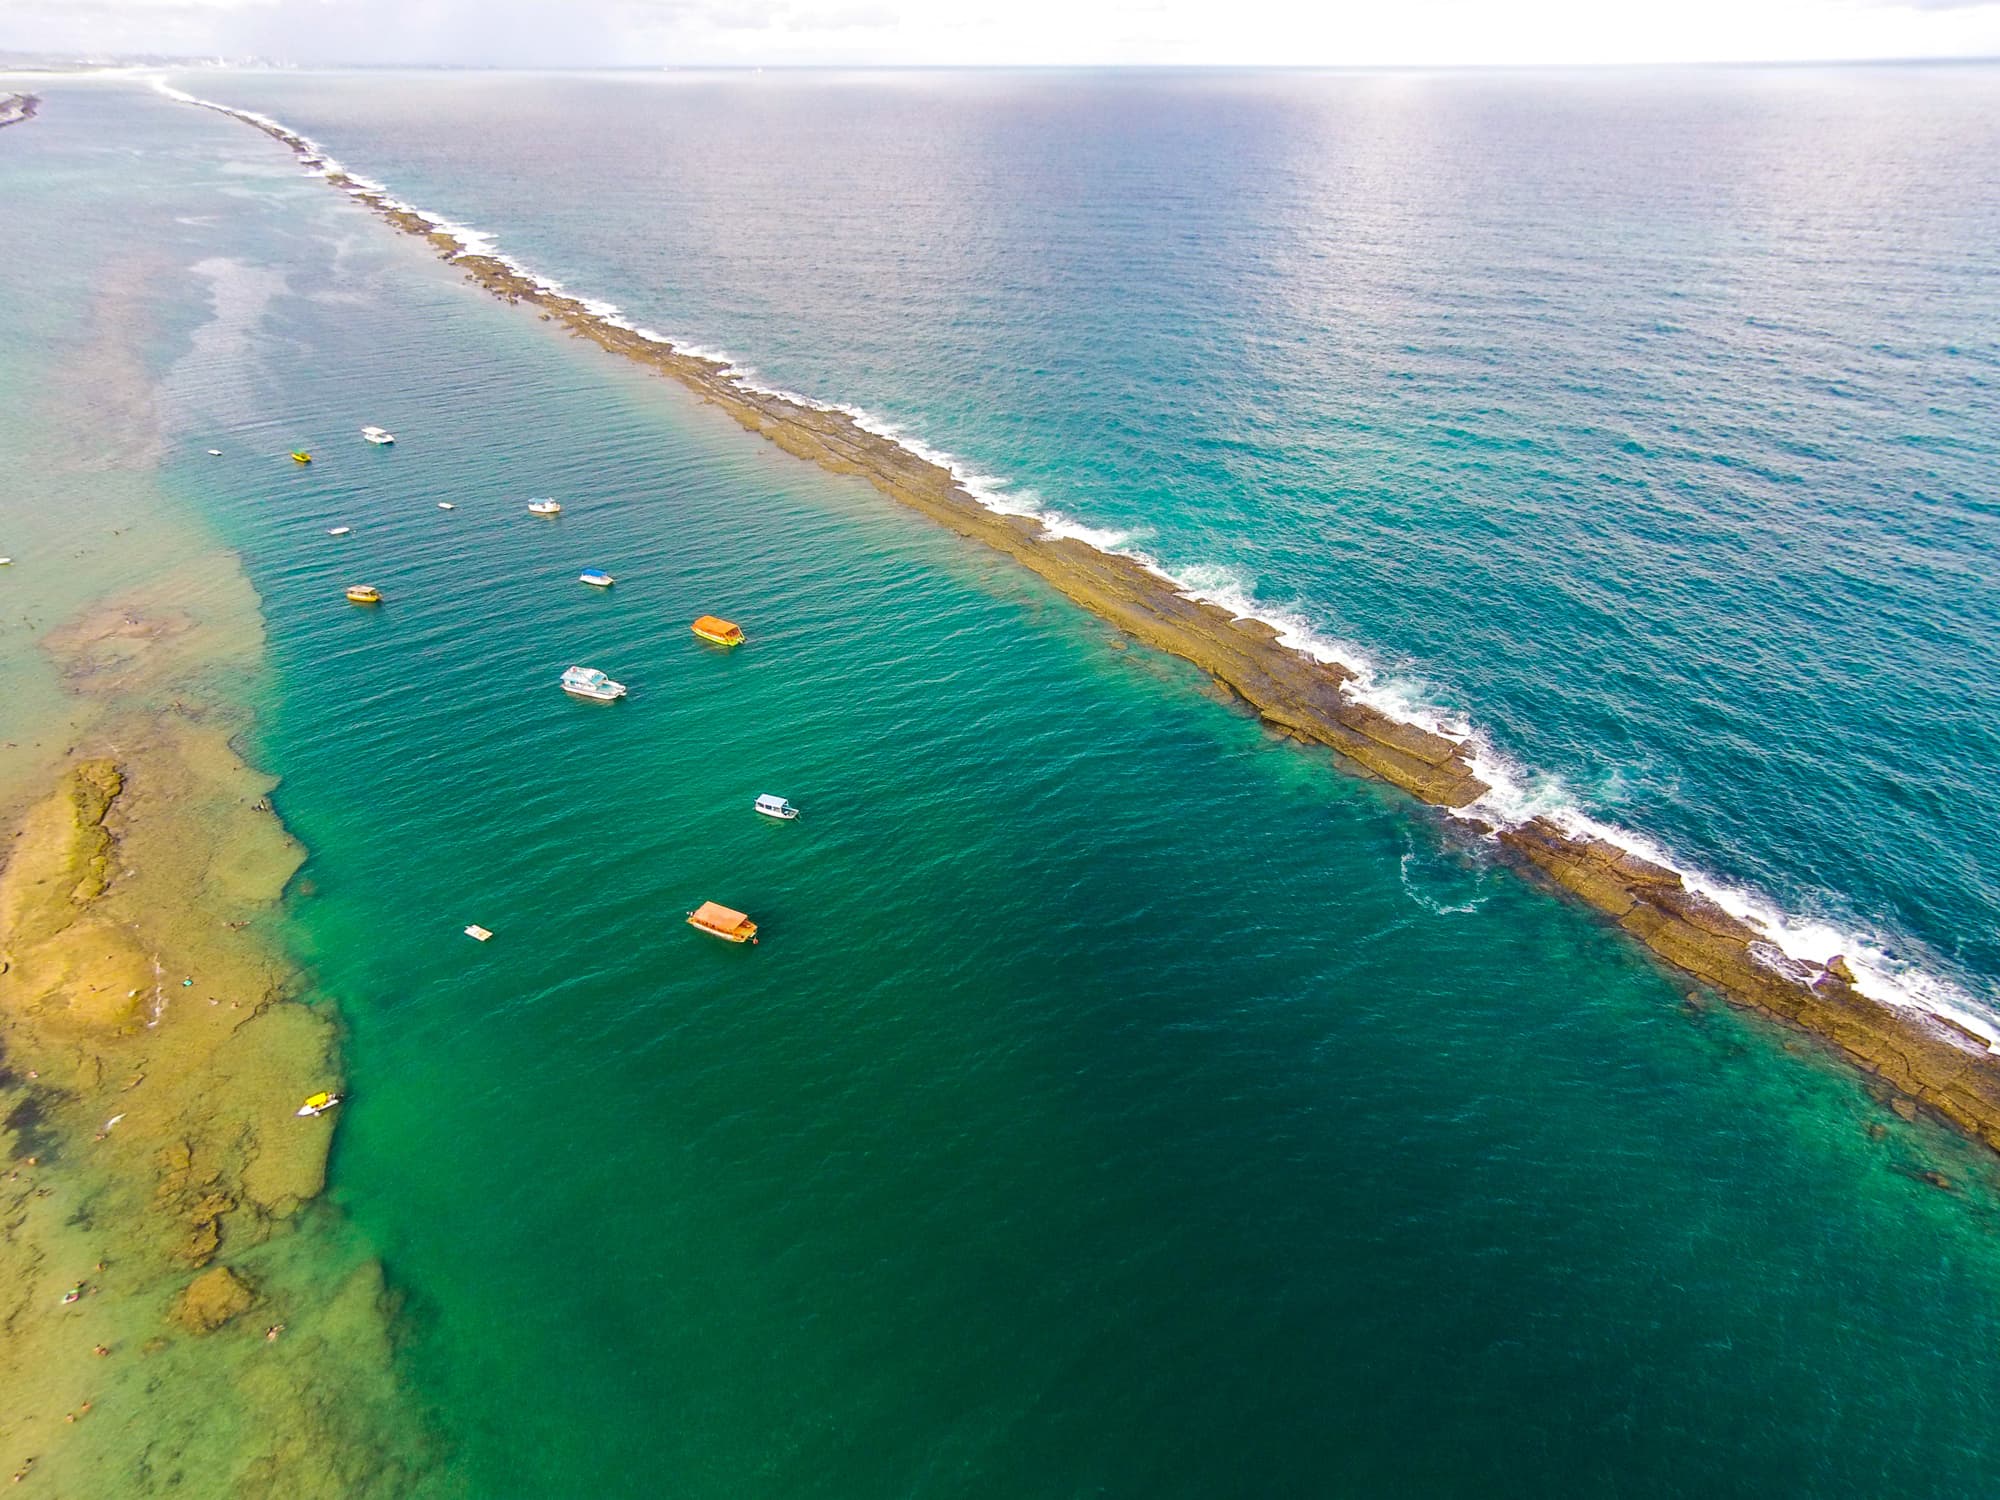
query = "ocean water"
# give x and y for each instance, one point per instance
(1644, 423)
(1120, 1102)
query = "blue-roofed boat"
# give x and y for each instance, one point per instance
(597, 578)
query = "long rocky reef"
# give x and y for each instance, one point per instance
(1926, 1056)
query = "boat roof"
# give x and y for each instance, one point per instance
(709, 914)
(713, 622)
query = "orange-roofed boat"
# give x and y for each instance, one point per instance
(720, 631)
(723, 922)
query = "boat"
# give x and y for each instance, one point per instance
(215, 453)
(364, 593)
(597, 578)
(720, 631)
(446, 505)
(588, 682)
(479, 933)
(731, 926)
(339, 530)
(300, 456)
(380, 437)
(318, 1104)
(776, 807)
(544, 508)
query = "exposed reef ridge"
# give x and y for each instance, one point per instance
(15, 108)
(1927, 1056)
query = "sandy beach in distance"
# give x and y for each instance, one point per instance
(1924, 1056)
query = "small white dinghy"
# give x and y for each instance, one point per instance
(776, 807)
(597, 578)
(215, 453)
(381, 437)
(544, 508)
(588, 682)
(446, 505)
(340, 530)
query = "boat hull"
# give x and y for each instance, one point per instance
(594, 697)
(744, 934)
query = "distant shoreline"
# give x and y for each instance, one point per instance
(1927, 1056)
(16, 108)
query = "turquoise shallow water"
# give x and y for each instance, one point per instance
(1120, 1102)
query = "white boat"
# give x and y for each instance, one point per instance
(544, 508)
(588, 682)
(446, 505)
(317, 1104)
(477, 932)
(339, 530)
(597, 578)
(381, 437)
(215, 453)
(776, 807)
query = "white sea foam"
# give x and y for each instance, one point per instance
(1514, 795)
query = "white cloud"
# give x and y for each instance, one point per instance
(1330, 33)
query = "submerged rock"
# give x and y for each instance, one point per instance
(213, 1299)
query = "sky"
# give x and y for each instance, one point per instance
(632, 33)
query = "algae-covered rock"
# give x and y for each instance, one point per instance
(94, 786)
(213, 1299)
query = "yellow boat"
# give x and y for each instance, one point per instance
(720, 631)
(317, 1104)
(300, 456)
(363, 593)
(732, 926)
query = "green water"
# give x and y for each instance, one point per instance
(1120, 1102)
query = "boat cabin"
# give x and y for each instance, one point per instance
(776, 807)
(588, 682)
(720, 631)
(723, 922)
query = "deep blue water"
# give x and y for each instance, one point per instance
(1121, 1102)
